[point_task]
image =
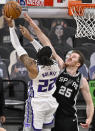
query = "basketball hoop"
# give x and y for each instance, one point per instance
(84, 14)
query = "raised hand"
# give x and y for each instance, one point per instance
(25, 32)
(9, 21)
(27, 17)
(29, 20)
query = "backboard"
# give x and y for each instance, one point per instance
(44, 3)
(60, 3)
(46, 8)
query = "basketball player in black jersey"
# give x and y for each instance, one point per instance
(68, 84)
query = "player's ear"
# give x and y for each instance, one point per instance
(78, 64)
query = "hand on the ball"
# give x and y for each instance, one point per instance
(9, 21)
(25, 33)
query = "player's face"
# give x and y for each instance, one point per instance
(73, 60)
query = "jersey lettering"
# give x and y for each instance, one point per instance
(75, 85)
(62, 79)
(46, 85)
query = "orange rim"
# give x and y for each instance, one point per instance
(78, 5)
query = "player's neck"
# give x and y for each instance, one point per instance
(71, 70)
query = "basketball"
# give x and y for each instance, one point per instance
(13, 9)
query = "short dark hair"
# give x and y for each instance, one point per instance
(43, 56)
(81, 58)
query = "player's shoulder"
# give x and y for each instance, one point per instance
(84, 82)
(55, 62)
(84, 79)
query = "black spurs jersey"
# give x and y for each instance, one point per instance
(66, 93)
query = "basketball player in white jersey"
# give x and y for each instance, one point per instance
(40, 105)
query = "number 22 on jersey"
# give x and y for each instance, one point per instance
(46, 85)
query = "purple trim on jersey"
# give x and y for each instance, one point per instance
(28, 111)
(27, 124)
(31, 88)
(49, 123)
(33, 121)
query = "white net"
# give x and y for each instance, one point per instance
(85, 20)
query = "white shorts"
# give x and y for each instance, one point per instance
(39, 113)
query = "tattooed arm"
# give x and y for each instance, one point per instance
(29, 63)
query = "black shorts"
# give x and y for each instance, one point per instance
(65, 124)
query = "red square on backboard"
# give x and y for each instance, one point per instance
(48, 3)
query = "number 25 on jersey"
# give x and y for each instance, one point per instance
(65, 91)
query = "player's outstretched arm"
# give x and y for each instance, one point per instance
(28, 62)
(88, 99)
(28, 36)
(44, 39)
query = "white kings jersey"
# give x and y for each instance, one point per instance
(44, 84)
